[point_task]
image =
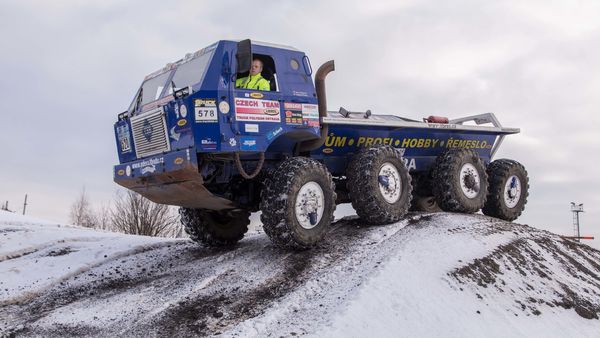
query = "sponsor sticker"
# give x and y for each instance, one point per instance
(208, 143)
(174, 134)
(123, 135)
(271, 135)
(224, 107)
(121, 172)
(295, 93)
(327, 151)
(256, 95)
(178, 160)
(205, 103)
(248, 143)
(181, 122)
(148, 163)
(125, 145)
(205, 110)
(257, 110)
(232, 142)
(293, 113)
(310, 115)
(149, 169)
(251, 128)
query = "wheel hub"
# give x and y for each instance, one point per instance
(390, 184)
(470, 182)
(310, 204)
(512, 191)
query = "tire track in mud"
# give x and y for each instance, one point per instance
(226, 307)
(216, 312)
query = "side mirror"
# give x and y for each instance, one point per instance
(244, 56)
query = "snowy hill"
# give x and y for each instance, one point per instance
(430, 275)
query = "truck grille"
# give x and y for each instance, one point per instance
(150, 133)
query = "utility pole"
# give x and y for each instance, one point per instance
(25, 204)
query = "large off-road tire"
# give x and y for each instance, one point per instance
(215, 228)
(297, 203)
(459, 181)
(379, 185)
(508, 189)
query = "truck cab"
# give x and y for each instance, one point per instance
(191, 110)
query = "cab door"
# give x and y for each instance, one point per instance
(257, 113)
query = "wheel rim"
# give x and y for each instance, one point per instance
(310, 204)
(470, 182)
(512, 191)
(390, 185)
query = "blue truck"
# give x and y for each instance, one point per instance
(191, 139)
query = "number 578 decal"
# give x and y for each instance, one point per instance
(205, 114)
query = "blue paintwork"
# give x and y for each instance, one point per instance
(152, 165)
(226, 133)
(420, 145)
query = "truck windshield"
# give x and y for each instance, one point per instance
(152, 88)
(187, 73)
(191, 72)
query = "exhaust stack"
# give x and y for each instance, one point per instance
(322, 73)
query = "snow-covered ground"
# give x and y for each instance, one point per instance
(430, 275)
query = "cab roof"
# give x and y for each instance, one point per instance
(169, 66)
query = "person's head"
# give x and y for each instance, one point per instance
(257, 67)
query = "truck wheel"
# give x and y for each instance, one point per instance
(379, 185)
(297, 203)
(509, 188)
(459, 181)
(215, 228)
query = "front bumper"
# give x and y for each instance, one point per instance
(172, 178)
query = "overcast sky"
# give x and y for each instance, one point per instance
(69, 67)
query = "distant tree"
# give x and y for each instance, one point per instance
(103, 218)
(82, 213)
(134, 214)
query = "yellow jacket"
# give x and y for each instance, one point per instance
(253, 82)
